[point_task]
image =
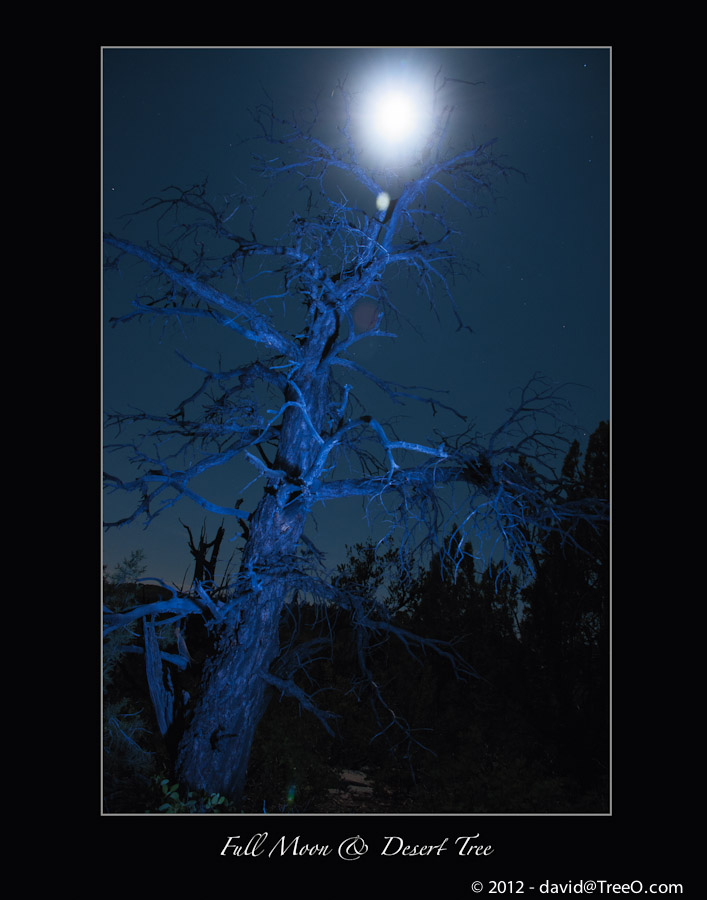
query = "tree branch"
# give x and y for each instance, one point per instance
(289, 688)
(261, 331)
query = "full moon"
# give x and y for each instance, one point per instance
(395, 116)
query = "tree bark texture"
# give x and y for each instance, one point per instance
(214, 750)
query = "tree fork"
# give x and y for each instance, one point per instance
(214, 751)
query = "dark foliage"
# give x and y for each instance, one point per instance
(530, 734)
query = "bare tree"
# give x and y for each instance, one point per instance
(290, 404)
(205, 568)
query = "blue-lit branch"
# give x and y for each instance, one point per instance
(289, 688)
(259, 330)
(176, 607)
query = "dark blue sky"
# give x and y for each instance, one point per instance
(539, 303)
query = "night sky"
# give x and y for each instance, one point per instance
(540, 301)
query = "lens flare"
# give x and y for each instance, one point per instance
(382, 201)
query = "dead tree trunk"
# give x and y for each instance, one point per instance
(214, 751)
(205, 570)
